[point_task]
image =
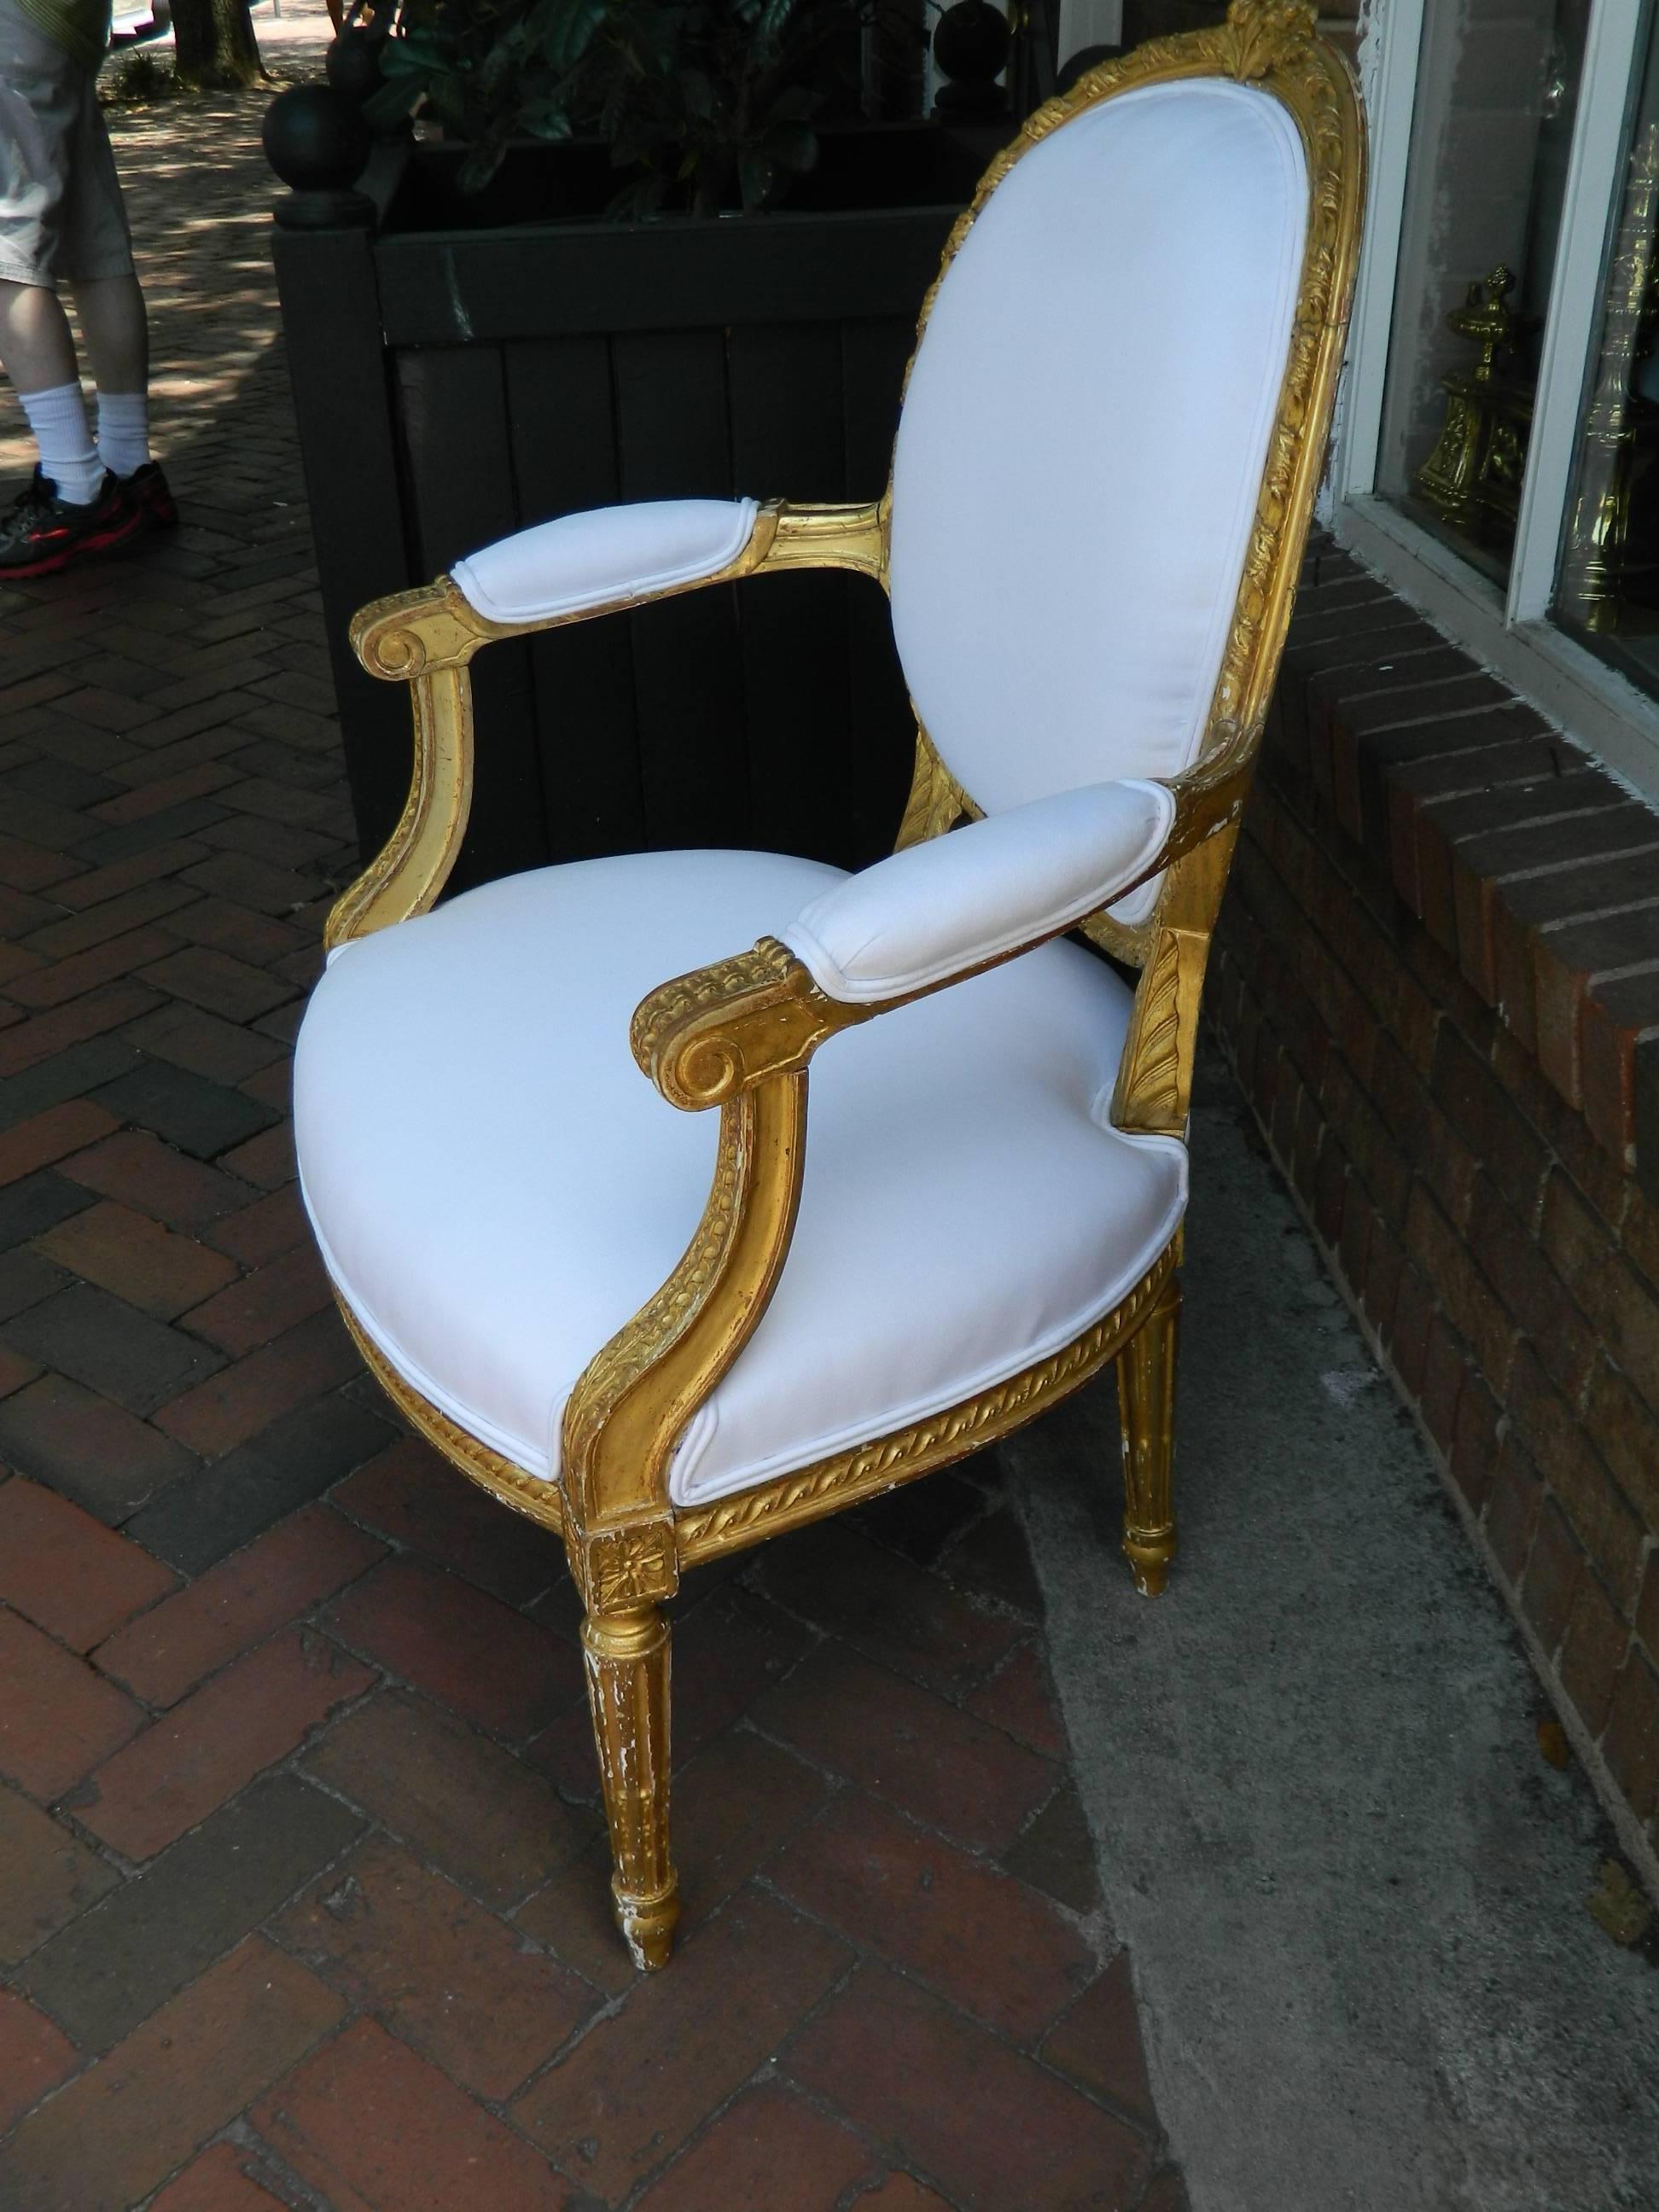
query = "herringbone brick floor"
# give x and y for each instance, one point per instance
(301, 1870)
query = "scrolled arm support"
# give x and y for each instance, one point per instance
(632, 1403)
(704, 1038)
(426, 638)
(738, 1035)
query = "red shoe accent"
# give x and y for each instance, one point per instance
(64, 538)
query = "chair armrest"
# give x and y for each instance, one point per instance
(565, 571)
(943, 909)
(609, 555)
(605, 562)
(929, 916)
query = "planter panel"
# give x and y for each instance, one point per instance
(469, 383)
(473, 287)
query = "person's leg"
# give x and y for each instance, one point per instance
(113, 323)
(36, 349)
(56, 221)
(41, 94)
(98, 257)
(38, 355)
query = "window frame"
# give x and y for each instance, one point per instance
(1510, 628)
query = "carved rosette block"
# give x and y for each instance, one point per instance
(627, 1656)
(1145, 1390)
(628, 1566)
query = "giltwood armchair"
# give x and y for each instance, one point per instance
(651, 1314)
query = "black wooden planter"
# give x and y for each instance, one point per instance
(455, 382)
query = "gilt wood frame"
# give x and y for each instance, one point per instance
(738, 1035)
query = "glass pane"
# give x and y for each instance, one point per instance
(1607, 592)
(1497, 99)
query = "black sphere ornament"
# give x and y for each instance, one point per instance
(353, 63)
(972, 42)
(317, 140)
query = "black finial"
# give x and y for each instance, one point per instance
(317, 140)
(972, 42)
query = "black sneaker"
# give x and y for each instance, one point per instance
(44, 532)
(151, 494)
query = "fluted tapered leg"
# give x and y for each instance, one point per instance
(628, 1695)
(1145, 1395)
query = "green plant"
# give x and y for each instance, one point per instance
(711, 103)
(141, 78)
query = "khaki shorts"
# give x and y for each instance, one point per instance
(61, 214)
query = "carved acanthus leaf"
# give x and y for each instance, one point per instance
(1154, 1082)
(1268, 34)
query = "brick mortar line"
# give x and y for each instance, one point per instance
(1155, 2138)
(133, 1870)
(863, 1953)
(1318, 836)
(1626, 1826)
(1087, 1924)
(280, 2178)
(1062, 1767)
(93, 2060)
(1311, 1089)
(1484, 1060)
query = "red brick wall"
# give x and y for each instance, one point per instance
(1414, 1002)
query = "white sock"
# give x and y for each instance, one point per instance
(124, 430)
(68, 456)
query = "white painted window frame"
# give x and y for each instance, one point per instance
(1508, 629)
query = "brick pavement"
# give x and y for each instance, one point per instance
(301, 1870)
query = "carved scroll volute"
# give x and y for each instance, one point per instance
(707, 1035)
(411, 634)
(425, 639)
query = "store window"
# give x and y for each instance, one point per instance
(1497, 89)
(1500, 460)
(1607, 590)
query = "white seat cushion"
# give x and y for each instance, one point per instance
(496, 1187)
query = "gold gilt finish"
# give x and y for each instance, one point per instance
(627, 1656)
(1145, 1390)
(737, 1037)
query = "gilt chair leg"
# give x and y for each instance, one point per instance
(1146, 1395)
(628, 1695)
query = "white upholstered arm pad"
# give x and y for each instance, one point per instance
(940, 908)
(610, 553)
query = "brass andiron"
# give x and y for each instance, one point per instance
(1621, 426)
(1473, 477)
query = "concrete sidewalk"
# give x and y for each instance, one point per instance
(1354, 1892)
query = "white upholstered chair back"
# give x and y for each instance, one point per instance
(1083, 435)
